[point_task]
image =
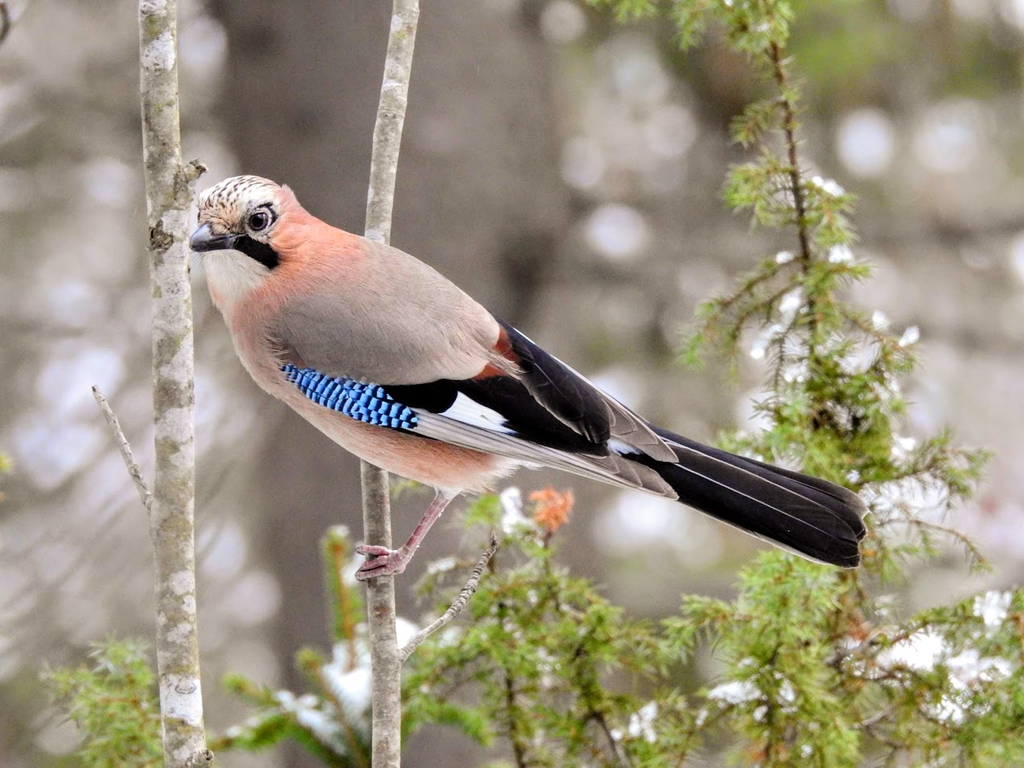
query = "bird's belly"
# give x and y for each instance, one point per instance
(441, 465)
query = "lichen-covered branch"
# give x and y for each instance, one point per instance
(168, 197)
(386, 663)
(459, 603)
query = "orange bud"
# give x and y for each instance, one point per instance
(552, 508)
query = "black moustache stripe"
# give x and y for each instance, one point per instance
(261, 252)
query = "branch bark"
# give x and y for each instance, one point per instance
(385, 660)
(168, 198)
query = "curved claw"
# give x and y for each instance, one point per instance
(372, 550)
(381, 561)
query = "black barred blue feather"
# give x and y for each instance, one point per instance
(368, 403)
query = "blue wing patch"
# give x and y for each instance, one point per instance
(367, 403)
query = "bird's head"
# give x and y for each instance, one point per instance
(241, 214)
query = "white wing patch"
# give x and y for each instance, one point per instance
(623, 448)
(470, 412)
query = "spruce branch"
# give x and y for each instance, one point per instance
(512, 718)
(313, 665)
(620, 755)
(342, 601)
(789, 126)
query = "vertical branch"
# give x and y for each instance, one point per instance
(387, 131)
(168, 197)
(385, 659)
(789, 126)
(789, 131)
(512, 715)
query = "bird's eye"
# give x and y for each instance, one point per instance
(259, 221)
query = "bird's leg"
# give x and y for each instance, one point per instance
(381, 561)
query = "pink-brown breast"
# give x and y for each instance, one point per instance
(435, 463)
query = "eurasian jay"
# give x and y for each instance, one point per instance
(396, 364)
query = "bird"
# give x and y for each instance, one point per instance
(399, 366)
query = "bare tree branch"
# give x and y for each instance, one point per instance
(125, 447)
(168, 199)
(5, 22)
(381, 613)
(387, 131)
(456, 607)
(386, 664)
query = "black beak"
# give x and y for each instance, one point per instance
(203, 239)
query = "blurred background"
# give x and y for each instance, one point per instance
(564, 170)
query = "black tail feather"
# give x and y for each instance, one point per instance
(812, 517)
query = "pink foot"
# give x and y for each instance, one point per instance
(381, 561)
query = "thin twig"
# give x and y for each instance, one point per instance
(125, 447)
(385, 662)
(751, 282)
(5, 22)
(621, 757)
(586, 690)
(456, 607)
(518, 748)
